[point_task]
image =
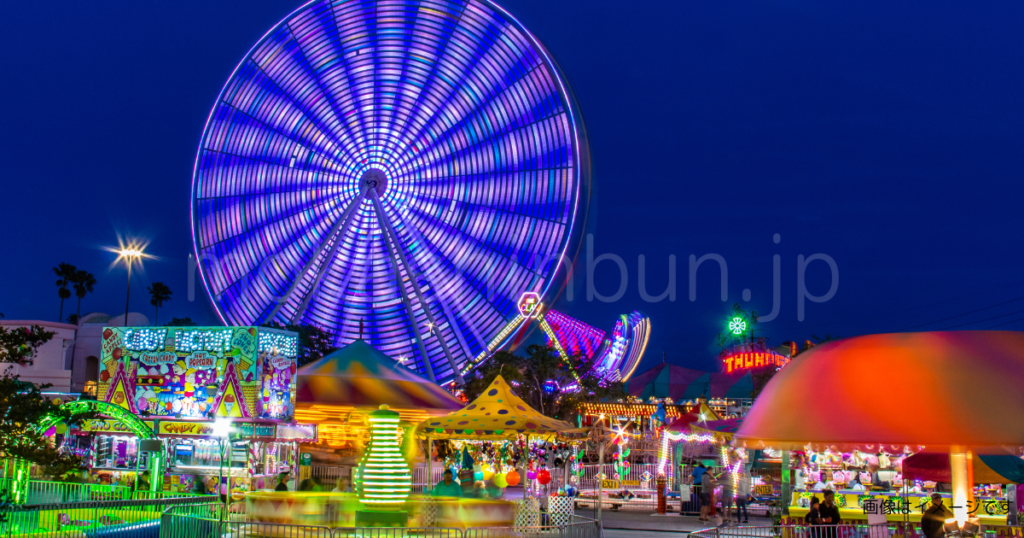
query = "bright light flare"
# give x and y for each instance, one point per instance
(129, 252)
(222, 428)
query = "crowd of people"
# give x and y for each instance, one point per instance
(704, 483)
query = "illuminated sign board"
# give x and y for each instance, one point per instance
(748, 360)
(529, 304)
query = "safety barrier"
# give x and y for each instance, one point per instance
(212, 520)
(108, 518)
(795, 531)
(884, 530)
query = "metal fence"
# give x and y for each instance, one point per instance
(47, 492)
(329, 474)
(110, 518)
(795, 531)
(212, 521)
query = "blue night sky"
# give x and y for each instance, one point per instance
(888, 135)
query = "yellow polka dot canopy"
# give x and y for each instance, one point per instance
(497, 414)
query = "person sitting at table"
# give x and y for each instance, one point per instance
(447, 487)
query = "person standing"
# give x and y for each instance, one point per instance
(813, 518)
(695, 477)
(698, 475)
(707, 495)
(934, 517)
(282, 482)
(742, 497)
(829, 513)
(727, 497)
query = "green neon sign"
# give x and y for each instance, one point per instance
(737, 326)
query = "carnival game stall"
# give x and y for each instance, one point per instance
(828, 442)
(183, 382)
(515, 442)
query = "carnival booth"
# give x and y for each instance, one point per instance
(219, 399)
(501, 426)
(934, 394)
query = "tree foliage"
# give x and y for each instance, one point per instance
(83, 282)
(159, 293)
(182, 322)
(315, 342)
(65, 274)
(542, 366)
(22, 405)
(18, 344)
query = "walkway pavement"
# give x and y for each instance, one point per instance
(656, 524)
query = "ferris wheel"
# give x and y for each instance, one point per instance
(400, 172)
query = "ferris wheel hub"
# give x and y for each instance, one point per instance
(374, 178)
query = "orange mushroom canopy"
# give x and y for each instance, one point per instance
(929, 390)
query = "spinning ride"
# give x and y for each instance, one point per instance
(401, 172)
(613, 356)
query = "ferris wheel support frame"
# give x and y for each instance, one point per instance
(444, 306)
(337, 231)
(390, 235)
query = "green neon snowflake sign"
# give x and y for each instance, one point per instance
(737, 326)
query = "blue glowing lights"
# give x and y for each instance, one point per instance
(403, 171)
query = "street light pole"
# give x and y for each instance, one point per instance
(129, 254)
(128, 293)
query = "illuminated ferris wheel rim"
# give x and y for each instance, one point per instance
(380, 181)
(567, 95)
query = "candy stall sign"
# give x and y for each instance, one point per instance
(201, 360)
(188, 429)
(199, 372)
(156, 359)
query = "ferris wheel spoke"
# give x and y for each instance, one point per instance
(352, 69)
(315, 288)
(313, 42)
(504, 111)
(230, 262)
(268, 108)
(392, 239)
(395, 264)
(334, 238)
(505, 104)
(445, 276)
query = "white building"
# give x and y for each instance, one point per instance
(70, 360)
(52, 361)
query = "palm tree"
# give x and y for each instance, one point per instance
(159, 293)
(65, 273)
(84, 282)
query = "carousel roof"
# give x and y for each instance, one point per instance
(496, 414)
(700, 413)
(359, 375)
(916, 391)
